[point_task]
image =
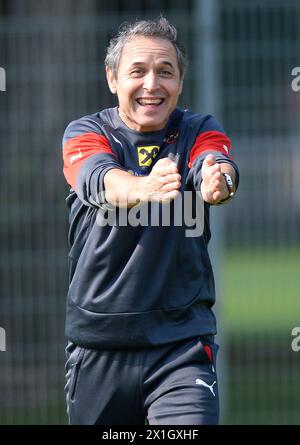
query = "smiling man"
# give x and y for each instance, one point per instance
(148, 83)
(139, 319)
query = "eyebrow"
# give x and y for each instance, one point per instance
(164, 62)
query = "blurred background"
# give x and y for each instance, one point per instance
(241, 57)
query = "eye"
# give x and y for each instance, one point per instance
(166, 73)
(137, 72)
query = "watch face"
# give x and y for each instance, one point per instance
(229, 183)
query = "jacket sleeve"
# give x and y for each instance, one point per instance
(87, 156)
(211, 138)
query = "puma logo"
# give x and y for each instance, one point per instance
(75, 157)
(226, 149)
(203, 383)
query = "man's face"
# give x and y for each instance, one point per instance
(148, 83)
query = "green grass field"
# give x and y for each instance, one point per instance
(261, 289)
(260, 304)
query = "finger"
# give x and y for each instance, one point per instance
(171, 186)
(164, 197)
(213, 172)
(217, 196)
(167, 179)
(169, 196)
(216, 181)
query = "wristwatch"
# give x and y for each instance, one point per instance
(230, 186)
(229, 183)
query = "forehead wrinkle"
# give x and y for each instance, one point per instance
(138, 48)
(145, 54)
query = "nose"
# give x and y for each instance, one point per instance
(151, 81)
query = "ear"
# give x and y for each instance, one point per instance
(111, 80)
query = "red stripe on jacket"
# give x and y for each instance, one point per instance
(210, 141)
(76, 150)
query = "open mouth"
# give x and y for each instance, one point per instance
(147, 101)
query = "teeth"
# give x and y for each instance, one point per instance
(150, 101)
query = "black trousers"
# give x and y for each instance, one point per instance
(167, 385)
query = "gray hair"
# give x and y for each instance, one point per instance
(147, 28)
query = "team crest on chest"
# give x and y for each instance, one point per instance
(147, 154)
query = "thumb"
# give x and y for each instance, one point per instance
(209, 160)
(165, 161)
